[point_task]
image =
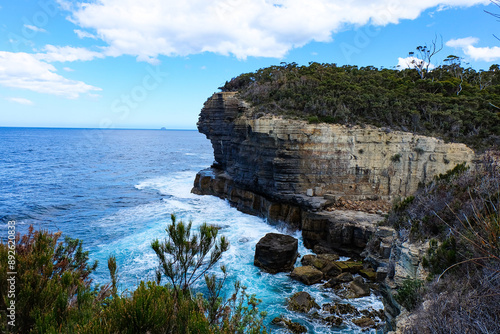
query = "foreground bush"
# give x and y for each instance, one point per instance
(54, 293)
(53, 288)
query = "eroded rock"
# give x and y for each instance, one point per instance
(276, 252)
(307, 275)
(302, 302)
(292, 326)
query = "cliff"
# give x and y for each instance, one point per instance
(289, 170)
(295, 172)
(284, 158)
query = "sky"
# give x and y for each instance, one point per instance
(153, 63)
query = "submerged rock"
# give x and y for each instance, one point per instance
(307, 275)
(276, 252)
(302, 302)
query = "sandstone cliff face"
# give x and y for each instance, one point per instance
(284, 158)
(288, 170)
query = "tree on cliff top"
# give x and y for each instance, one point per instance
(398, 99)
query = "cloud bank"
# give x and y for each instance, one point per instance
(27, 71)
(243, 28)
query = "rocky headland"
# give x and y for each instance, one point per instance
(333, 182)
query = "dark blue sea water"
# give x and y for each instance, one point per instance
(116, 189)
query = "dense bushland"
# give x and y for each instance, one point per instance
(459, 214)
(455, 103)
(54, 292)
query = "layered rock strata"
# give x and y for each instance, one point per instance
(291, 171)
(287, 159)
(299, 173)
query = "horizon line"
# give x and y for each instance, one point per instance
(91, 128)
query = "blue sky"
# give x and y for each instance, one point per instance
(152, 63)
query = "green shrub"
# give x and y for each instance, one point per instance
(396, 157)
(53, 287)
(184, 258)
(410, 293)
(313, 119)
(54, 293)
(440, 256)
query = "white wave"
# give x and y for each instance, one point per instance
(178, 184)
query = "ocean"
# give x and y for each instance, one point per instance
(116, 190)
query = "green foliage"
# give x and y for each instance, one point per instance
(150, 309)
(313, 119)
(402, 205)
(440, 256)
(54, 292)
(53, 288)
(419, 150)
(455, 103)
(396, 157)
(410, 293)
(456, 171)
(182, 255)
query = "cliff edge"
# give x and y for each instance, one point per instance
(291, 171)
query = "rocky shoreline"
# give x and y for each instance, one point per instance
(332, 182)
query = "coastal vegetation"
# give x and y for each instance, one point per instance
(55, 294)
(458, 213)
(452, 102)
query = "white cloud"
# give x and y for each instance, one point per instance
(20, 100)
(243, 28)
(68, 69)
(34, 28)
(476, 53)
(67, 53)
(462, 42)
(84, 34)
(411, 62)
(26, 71)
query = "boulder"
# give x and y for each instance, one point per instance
(292, 326)
(302, 302)
(368, 274)
(358, 288)
(321, 249)
(329, 257)
(323, 262)
(350, 266)
(333, 320)
(276, 252)
(307, 275)
(364, 322)
(342, 278)
(308, 259)
(341, 309)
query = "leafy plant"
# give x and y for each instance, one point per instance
(183, 255)
(396, 157)
(409, 294)
(53, 287)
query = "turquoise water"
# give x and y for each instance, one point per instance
(116, 189)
